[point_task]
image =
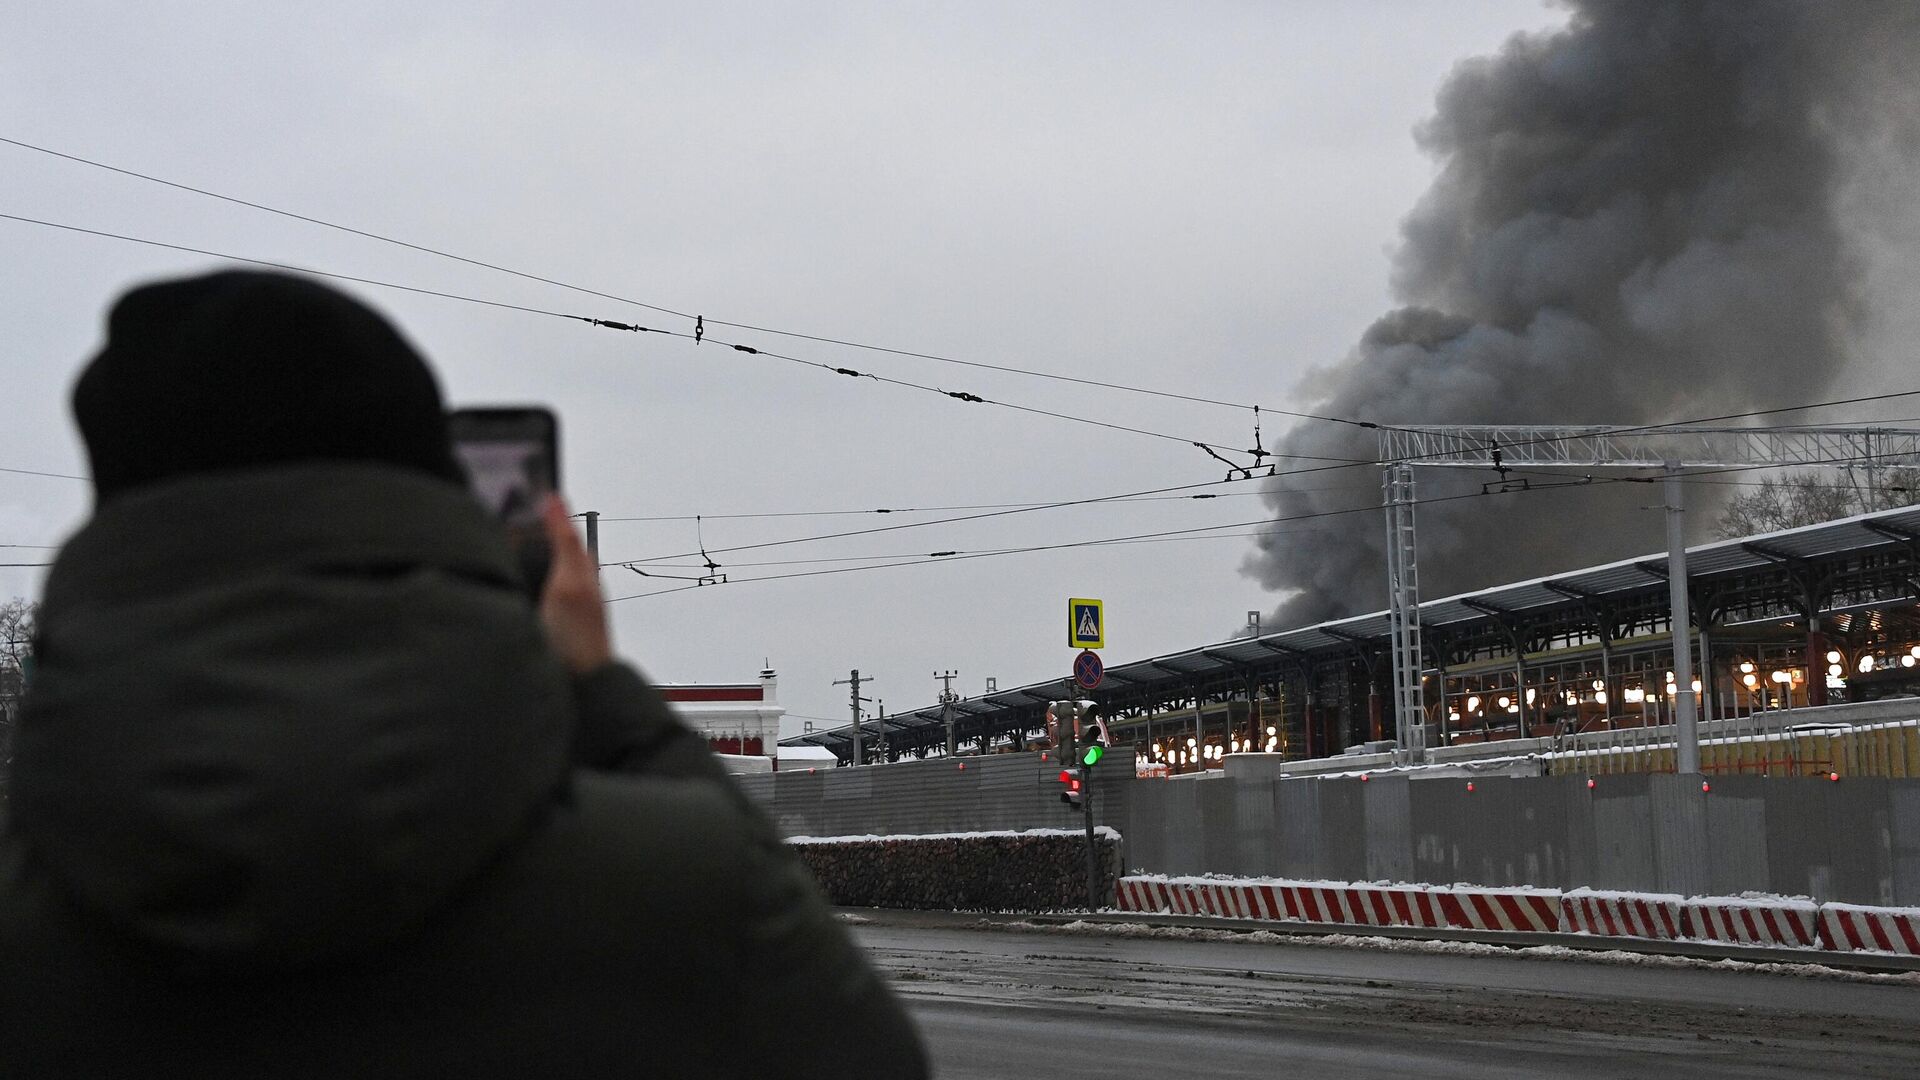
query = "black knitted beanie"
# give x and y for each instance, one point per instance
(240, 369)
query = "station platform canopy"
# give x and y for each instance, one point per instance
(1869, 561)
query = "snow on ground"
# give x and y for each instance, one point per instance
(1467, 886)
(1614, 957)
(1107, 831)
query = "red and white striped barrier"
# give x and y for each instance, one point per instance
(1779, 922)
(1848, 928)
(1201, 896)
(1363, 905)
(1615, 914)
(1344, 904)
(1771, 921)
(1525, 910)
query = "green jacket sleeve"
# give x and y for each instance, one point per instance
(623, 725)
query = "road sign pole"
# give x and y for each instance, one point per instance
(1093, 853)
(1086, 631)
(1086, 808)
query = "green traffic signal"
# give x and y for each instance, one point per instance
(1093, 755)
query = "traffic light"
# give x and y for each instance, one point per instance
(1073, 790)
(1093, 736)
(1060, 724)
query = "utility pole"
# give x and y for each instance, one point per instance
(854, 680)
(947, 698)
(881, 708)
(593, 534)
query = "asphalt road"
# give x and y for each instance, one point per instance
(1008, 1004)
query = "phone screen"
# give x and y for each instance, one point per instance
(512, 458)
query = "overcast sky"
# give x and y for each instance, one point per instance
(1199, 198)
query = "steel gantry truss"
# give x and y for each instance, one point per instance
(1671, 449)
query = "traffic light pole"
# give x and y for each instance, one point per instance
(1076, 740)
(1086, 809)
(1093, 855)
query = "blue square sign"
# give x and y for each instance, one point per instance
(1086, 625)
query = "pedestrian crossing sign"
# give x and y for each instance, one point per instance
(1086, 625)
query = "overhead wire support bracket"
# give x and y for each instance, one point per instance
(666, 577)
(1235, 470)
(711, 577)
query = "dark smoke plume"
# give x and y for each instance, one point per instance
(1636, 219)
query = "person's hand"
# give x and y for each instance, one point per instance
(570, 603)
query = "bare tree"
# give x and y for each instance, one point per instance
(16, 650)
(1808, 498)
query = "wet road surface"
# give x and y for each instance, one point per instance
(1010, 1004)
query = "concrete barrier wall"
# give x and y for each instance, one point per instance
(1856, 841)
(938, 795)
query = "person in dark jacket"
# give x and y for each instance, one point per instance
(305, 787)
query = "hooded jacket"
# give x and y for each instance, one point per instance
(300, 790)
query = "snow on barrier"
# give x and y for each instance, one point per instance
(1342, 903)
(1618, 914)
(1782, 922)
(1527, 910)
(1751, 921)
(1365, 905)
(1200, 896)
(1848, 928)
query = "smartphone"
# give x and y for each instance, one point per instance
(512, 459)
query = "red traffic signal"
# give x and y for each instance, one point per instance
(1072, 790)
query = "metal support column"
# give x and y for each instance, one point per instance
(1199, 729)
(1709, 692)
(1685, 715)
(1403, 606)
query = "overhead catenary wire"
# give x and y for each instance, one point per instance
(1276, 474)
(698, 337)
(954, 557)
(1635, 429)
(929, 555)
(323, 223)
(1119, 500)
(37, 472)
(701, 319)
(966, 396)
(290, 267)
(665, 310)
(817, 538)
(960, 395)
(960, 556)
(961, 506)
